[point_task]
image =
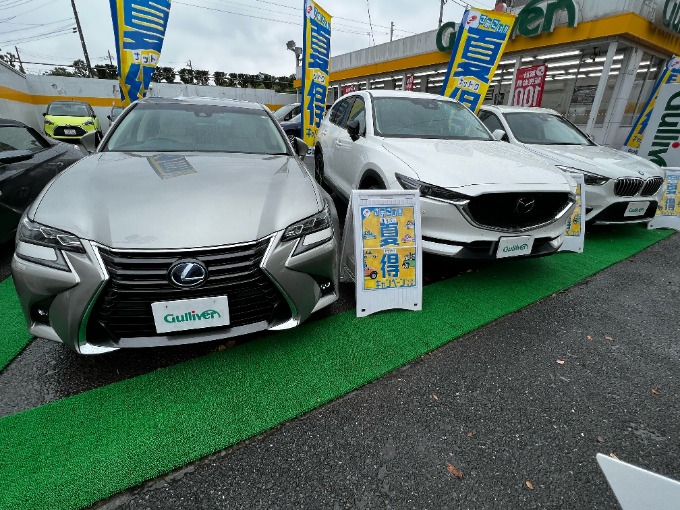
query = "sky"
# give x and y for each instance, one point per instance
(215, 35)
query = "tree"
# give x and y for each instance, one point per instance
(234, 80)
(9, 58)
(220, 79)
(284, 84)
(80, 69)
(201, 77)
(166, 74)
(266, 80)
(106, 71)
(186, 75)
(59, 71)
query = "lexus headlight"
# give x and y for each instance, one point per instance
(314, 230)
(44, 245)
(88, 122)
(588, 177)
(432, 191)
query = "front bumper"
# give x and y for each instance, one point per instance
(449, 231)
(604, 206)
(63, 305)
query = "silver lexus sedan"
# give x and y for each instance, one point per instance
(194, 220)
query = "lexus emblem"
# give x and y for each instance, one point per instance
(524, 205)
(188, 273)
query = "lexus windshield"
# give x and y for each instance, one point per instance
(544, 129)
(182, 127)
(406, 117)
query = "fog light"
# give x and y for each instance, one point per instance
(324, 284)
(40, 312)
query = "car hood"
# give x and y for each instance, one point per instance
(601, 160)
(63, 120)
(461, 163)
(177, 200)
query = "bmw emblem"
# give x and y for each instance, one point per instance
(640, 172)
(188, 273)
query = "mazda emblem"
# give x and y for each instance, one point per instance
(188, 273)
(524, 205)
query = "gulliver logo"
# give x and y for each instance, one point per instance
(171, 318)
(539, 16)
(517, 247)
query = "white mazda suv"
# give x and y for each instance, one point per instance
(620, 187)
(480, 197)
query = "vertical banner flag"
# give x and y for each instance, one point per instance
(409, 82)
(670, 74)
(668, 210)
(529, 85)
(480, 42)
(575, 236)
(315, 69)
(139, 27)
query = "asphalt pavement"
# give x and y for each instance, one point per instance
(509, 416)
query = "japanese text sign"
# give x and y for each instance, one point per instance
(668, 210)
(575, 236)
(139, 27)
(480, 42)
(315, 69)
(409, 82)
(529, 85)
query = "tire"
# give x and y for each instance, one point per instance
(318, 167)
(372, 183)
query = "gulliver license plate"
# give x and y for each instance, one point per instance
(636, 208)
(190, 314)
(514, 246)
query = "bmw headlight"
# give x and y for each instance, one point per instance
(589, 177)
(88, 122)
(432, 191)
(44, 245)
(314, 230)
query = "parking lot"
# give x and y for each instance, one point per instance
(517, 409)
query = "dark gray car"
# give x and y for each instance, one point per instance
(195, 220)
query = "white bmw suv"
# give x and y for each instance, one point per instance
(480, 198)
(620, 187)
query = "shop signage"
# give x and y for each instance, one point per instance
(575, 236)
(382, 250)
(409, 82)
(671, 74)
(346, 89)
(668, 210)
(529, 85)
(446, 29)
(669, 17)
(662, 143)
(478, 49)
(538, 16)
(584, 94)
(315, 69)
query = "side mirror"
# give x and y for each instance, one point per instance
(89, 141)
(353, 129)
(44, 114)
(94, 115)
(500, 135)
(7, 157)
(109, 117)
(301, 147)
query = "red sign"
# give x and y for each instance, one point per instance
(409, 81)
(346, 89)
(529, 85)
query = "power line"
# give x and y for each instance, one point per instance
(36, 37)
(26, 12)
(41, 38)
(36, 26)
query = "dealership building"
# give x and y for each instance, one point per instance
(603, 59)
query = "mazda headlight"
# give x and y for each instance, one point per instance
(588, 177)
(44, 245)
(88, 122)
(432, 191)
(314, 230)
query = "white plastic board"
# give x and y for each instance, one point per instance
(382, 250)
(575, 236)
(668, 211)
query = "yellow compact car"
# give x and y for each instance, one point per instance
(68, 121)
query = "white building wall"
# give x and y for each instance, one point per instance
(16, 83)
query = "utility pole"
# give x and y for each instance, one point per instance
(441, 12)
(21, 65)
(82, 39)
(189, 64)
(391, 30)
(110, 57)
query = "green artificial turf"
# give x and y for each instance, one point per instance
(15, 336)
(77, 451)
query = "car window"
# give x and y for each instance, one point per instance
(358, 112)
(544, 129)
(421, 117)
(16, 138)
(491, 121)
(340, 111)
(68, 110)
(181, 127)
